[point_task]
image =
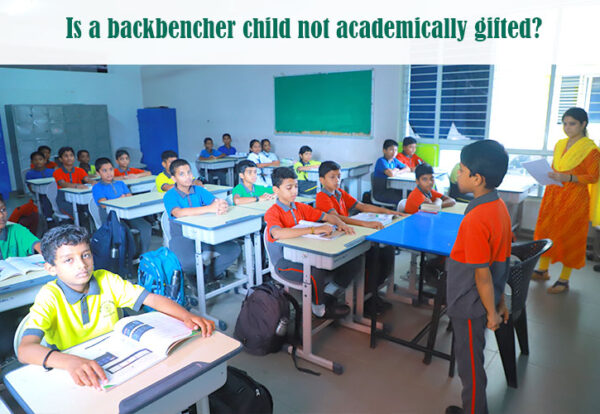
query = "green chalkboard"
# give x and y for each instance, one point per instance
(329, 103)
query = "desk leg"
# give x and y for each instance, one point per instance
(359, 188)
(202, 406)
(257, 259)
(249, 263)
(231, 176)
(200, 283)
(373, 290)
(75, 213)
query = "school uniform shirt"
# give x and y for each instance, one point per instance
(412, 161)
(16, 241)
(204, 153)
(130, 170)
(227, 151)
(255, 191)
(417, 197)
(484, 240)
(259, 158)
(34, 174)
(302, 175)
(109, 191)
(339, 201)
(89, 168)
(382, 164)
(281, 216)
(65, 317)
(75, 176)
(270, 155)
(50, 164)
(198, 197)
(163, 178)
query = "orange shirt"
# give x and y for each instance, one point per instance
(50, 164)
(76, 176)
(340, 201)
(411, 162)
(26, 209)
(130, 170)
(417, 197)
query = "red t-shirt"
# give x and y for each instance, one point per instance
(416, 198)
(340, 201)
(76, 176)
(130, 170)
(411, 162)
(50, 164)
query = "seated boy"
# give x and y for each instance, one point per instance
(424, 193)
(40, 170)
(266, 152)
(83, 156)
(108, 189)
(15, 239)
(280, 219)
(226, 148)
(477, 268)
(164, 181)
(387, 166)
(247, 191)
(218, 176)
(69, 176)
(187, 199)
(335, 201)
(306, 163)
(81, 305)
(123, 169)
(45, 150)
(408, 156)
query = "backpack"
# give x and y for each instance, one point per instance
(113, 247)
(240, 395)
(155, 273)
(263, 323)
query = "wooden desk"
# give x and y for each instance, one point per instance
(194, 370)
(217, 164)
(212, 229)
(141, 185)
(352, 172)
(21, 290)
(219, 191)
(77, 196)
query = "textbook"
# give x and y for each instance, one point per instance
(302, 224)
(135, 344)
(19, 266)
(384, 219)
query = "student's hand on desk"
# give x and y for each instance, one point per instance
(266, 196)
(346, 228)
(220, 206)
(195, 322)
(374, 225)
(86, 372)
(81, 186)
(427, 201)
(494, 321)
(325, 229)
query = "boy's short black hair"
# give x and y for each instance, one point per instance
(102, 161)
(168, 154)
(179, 162)
(408, 141)
(389, 143)
(487, 158)
(207, 139)
(44, 147)
(62, 150)
(36, 153)
(282, 173)
(226, 135)
(327, 166)
(244, 164)
(120, 152)
(423, 169)
(81, 151)
(262, 141)
(304, 148)
(252, 141)
(56, 237)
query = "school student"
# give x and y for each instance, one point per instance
(226, 148)
(82, 304)
(15, 240)
(123, 170)
(255, 155)
(39, 167)
(45, 150)
(306, 163)
(424, 193)
(334, 200)
(477, 268)
(69, 176)
(83, 156)
(209, 153)
(280, 219)
(164, 181)
(408, 156)
(109, 189)
(247, 191)
(387, 166)
(266, 152)
(187, 199)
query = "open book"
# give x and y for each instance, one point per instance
(17, 266)
(135, 344)
(384, 219)
(302, 224)
(431, 208)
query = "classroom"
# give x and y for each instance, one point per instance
(350, 114)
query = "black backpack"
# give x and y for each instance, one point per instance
(240, 395)
(263, 325)
(113, 247)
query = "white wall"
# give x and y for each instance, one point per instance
(211, 100)
(120, 89)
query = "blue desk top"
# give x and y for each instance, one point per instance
(424, 232)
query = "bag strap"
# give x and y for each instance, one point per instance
(295, 340)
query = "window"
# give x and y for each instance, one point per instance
(443, 96)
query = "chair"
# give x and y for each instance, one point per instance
(518, 280)
(95, 213)
(401, 205)
(52, 192)
(24, 180)
(377, 202)
(430, 153)
(19, 334)
(166, 228)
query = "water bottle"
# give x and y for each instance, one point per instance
(172, 291)
(281, 329)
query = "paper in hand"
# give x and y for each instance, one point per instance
(539, 170)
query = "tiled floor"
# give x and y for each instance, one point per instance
(561, 374)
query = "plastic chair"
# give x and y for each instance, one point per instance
(19, 334)
(401, 205)
(375, 201)
(24, 180)
(52, 193)
(166, 228)
(95, 213)
(430, 153)
(518, 280)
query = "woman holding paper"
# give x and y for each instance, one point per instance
(566, 209)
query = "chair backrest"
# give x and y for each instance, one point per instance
(166, 228)
(24, 178)
(19, 334)
(95, 212)
(520, 273)
(430, 153)
(401, 205)
(274, 275)
(373, 199)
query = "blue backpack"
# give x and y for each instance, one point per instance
(113, 247)
(156, 271)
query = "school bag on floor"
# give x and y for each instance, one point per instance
(240, 395)
(113, 247)
(155, 273)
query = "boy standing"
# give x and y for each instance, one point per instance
(247, 191)
(424, 193)
(226, 148)
(123, 170)
(81, 305)
(477, 267)
(408, 156)
(387, 166)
